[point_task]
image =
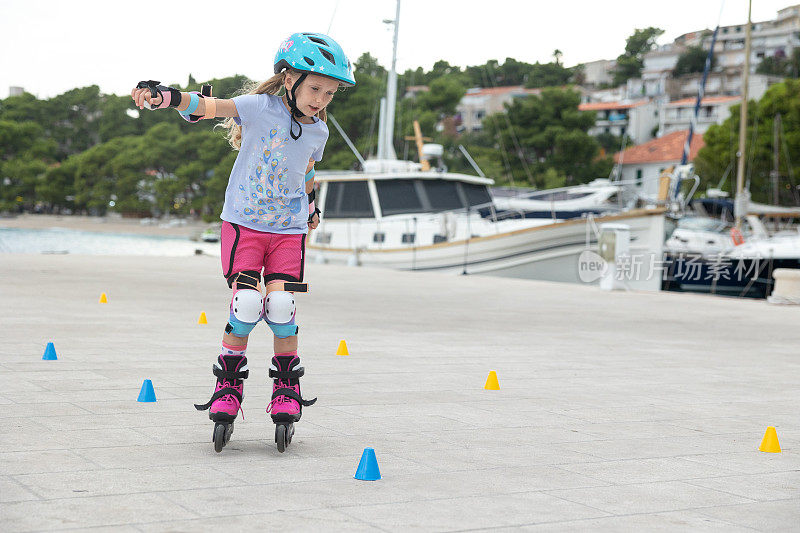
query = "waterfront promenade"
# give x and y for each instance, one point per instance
(616, 411)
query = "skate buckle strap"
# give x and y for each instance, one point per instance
(219, 394)
(227, 374)
(285, 391)
(287, 374)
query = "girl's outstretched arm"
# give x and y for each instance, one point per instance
(224, 108)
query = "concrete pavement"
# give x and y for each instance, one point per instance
(617, 411)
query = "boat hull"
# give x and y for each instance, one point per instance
(547, 252)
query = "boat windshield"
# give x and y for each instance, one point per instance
(401, 196)
(557, 196)
(347, 199)
(702, 224)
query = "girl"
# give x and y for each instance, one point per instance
(279, 129)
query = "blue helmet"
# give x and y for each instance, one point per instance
(315, 53)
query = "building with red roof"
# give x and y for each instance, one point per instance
(642, 164)
(636, 118)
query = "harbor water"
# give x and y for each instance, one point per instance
(68, 241)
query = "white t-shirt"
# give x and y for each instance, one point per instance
(266, 190)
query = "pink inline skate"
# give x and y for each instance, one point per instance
(226, 402)
(287, 405)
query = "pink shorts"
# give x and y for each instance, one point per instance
(279, 255)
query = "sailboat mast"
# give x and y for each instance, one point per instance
(391, 96)
(740, 206)
(775, 174)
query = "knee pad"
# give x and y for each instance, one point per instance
(279, 311)
(246, 307)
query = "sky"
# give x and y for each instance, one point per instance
(49, 47)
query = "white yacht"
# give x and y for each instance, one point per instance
(405, 215)
(411, 219)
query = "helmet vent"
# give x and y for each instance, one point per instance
(317, 40)
(327, 55)
(309, 60)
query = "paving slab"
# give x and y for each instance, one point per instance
(617, 411)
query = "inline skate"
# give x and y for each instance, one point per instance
(286, 406)
(226, 402)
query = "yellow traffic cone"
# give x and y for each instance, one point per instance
(103, 298)
(202, 319)
(769, 443)
(491, 381)
(342, 349)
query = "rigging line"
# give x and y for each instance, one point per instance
(790, 174)
(520, 153)
(368, 141)
(335, 7)
(752, 150)
(732, 151)
(503, 152)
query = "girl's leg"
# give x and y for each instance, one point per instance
(242, 250)
(284, 261)
(289, 344)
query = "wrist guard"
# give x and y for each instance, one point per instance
(205, 92)
(312, 208)
(169, 97)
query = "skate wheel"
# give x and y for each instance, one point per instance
(220, 433)
(290, 434)
(280, 437)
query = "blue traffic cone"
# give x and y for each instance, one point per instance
(50, 353)
(368, 467)
(147, 394)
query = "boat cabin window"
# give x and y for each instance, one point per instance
(442, 194)
(422, 196)
(476, 194)
(558, 196)
(347, 199)
(398, 196)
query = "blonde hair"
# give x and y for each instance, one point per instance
(274, 85)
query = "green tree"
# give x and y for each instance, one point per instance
(780, 65)
(718, 156)
(630, 63)
(692, 60)
(549, 75)
(552, 134)
(443, 96)
(24, 157)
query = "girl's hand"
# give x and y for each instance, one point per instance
(143, 98)
(314, 222)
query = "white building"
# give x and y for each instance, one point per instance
(597, 73)
(643, 164)
(768, 38)
(677, 115)
(480, 102)
(637, 119)
(657, 70)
